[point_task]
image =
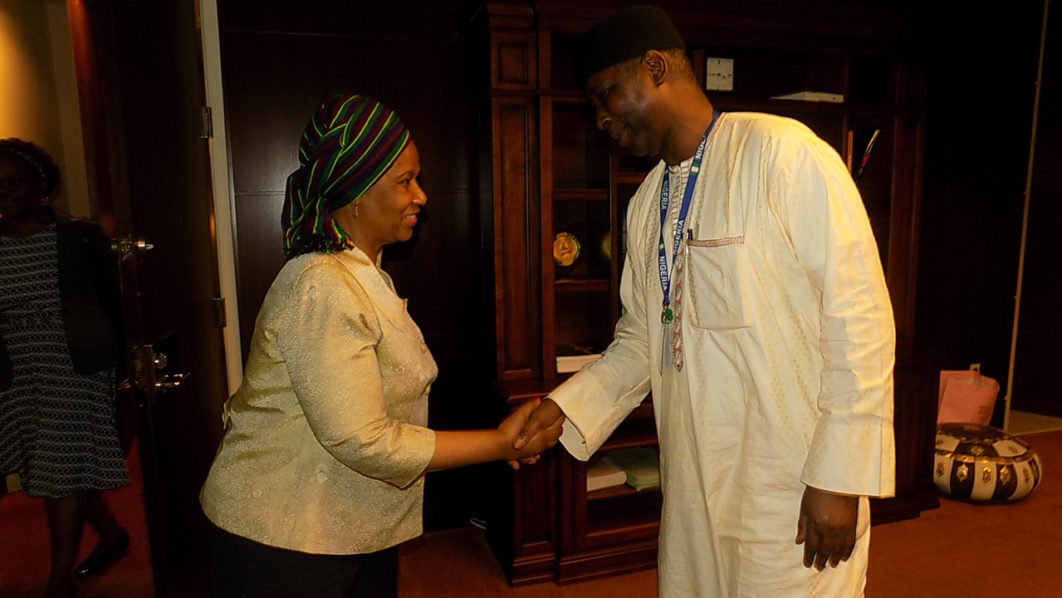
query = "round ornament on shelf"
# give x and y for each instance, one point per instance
(565, 249)
(984, 464)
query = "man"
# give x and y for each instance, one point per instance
(755, 310)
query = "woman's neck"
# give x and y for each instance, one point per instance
(26, 226)
(372, 250)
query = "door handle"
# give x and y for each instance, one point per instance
(153, 374)
(168, 381)
(164, 382)
(129, 248)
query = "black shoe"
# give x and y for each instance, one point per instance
(103, 556)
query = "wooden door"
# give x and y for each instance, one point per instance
(142, 90)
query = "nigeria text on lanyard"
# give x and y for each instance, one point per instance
(687, 197)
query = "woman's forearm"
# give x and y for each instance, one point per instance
(456, 448)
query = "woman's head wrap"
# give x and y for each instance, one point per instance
(346, 147)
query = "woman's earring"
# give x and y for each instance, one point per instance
(355, 209)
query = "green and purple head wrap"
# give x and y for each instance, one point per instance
(346, 147)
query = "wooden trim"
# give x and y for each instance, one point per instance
(513, 61)
(516, 262)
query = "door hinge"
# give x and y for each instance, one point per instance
(207, 116)
(219, 311)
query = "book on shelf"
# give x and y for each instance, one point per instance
(812, 96)
(604, 475)
(641, 464)
(571, 363)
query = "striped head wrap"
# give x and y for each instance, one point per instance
(347, 146)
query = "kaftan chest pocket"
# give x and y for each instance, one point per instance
(717, 275)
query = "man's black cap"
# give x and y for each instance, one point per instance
(624, 35)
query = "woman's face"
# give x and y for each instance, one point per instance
(387, 212)
(21, 188)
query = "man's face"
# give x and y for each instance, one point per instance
(621, 98)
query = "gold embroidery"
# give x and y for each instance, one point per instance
(738, 240)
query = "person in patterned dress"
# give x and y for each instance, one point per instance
(60, 344)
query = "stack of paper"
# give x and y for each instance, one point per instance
(604, 475)
(812, 96)
(641, 464)
(573, 363)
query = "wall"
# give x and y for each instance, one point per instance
(980, 67)
(1040, 322)
(38, 93)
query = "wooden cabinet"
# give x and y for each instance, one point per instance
(546, 172)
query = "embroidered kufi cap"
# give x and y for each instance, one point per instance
(624, 35)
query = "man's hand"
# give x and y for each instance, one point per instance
(547, 415)
(527, 449)
(548, 418)
(826, 527)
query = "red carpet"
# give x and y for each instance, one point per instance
(962, 549)
(24, 561)
(978, 550)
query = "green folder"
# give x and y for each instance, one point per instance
(642, 465)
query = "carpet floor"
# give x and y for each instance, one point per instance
(962, 549)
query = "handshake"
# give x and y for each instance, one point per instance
(530, 429)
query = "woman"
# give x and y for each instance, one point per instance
(60, 319)
(320, 474)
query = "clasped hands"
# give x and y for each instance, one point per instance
(532, 428)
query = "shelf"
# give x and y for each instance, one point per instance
(570, 285)
(566, 96)
(728, 103)
(579, 152)
(616, 491)
(570, 192)
(624, 513)
(631, 433)
(643, 411)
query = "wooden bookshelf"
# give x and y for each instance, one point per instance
(546, 170)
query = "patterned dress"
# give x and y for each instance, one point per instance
(57, 427)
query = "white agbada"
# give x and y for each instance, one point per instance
(788, 348)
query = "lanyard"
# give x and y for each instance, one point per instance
(687, 197)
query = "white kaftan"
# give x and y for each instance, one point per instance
(788, 349)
